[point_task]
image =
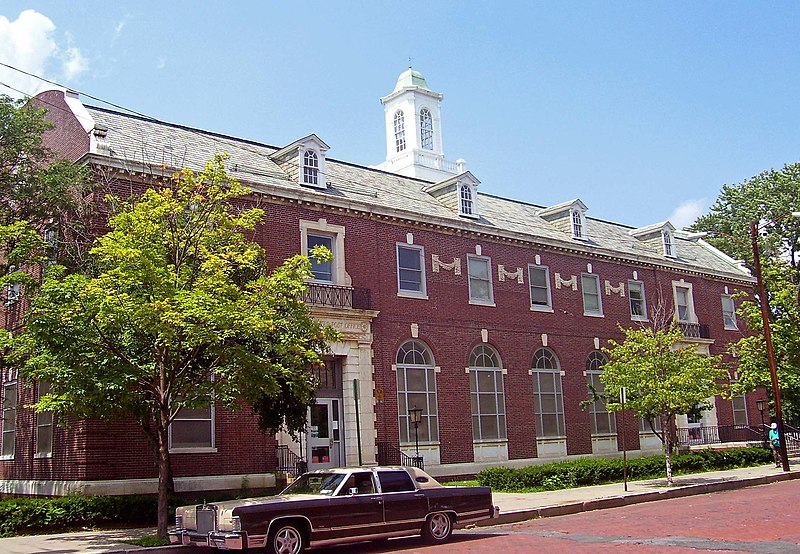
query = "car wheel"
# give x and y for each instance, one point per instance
(287, 538)
(437, 527)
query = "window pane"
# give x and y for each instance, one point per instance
(415, 379)
(478, 268)
(487, 404)
(191, 434)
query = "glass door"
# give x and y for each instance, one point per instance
(324, 434)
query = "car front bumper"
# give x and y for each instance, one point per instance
(220, 540)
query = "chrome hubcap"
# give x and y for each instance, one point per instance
(440, 525)
(287, 541)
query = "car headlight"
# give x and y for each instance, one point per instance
(178, 521)
(236, 524)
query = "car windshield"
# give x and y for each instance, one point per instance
(315, 483)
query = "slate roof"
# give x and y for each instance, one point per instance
(135, 140)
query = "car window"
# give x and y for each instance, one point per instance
(315, 483)
(361, 481)
(395, 481)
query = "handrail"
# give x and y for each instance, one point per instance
(289, 462)
(718, 434)
(391, 455)
(337, 296)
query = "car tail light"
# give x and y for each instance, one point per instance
(236, 524)
(178, 521)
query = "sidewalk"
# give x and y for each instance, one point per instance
(513, 507)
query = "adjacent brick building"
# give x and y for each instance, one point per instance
(485, 313)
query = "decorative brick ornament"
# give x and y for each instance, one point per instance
(437, 264)
(615, 290)
(502, 274)
(572, 282)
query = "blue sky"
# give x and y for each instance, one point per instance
(643, 110)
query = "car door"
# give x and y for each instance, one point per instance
(404, 506)
(360, 513)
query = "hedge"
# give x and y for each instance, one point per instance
(597, 471)
(19, 516)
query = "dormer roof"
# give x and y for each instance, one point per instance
(291, 150)
(652, 230)
(553, 212)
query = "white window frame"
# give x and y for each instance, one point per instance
(430, 413)
(12, 291)
(691, 315)
(553, 374)
(598, 409)
(399, 131)
(668, 242)
(472, 299)
(423, 292)
(596, 279)
(729, 316)
(44, 420)
(321, 227)
(540, 307)
(310, 168)
(466, 200)
(498, 392)
(212, 421)
(8, 429)
(577, 223)
(639, 284)
(332, 263)
(742, 399)
(425, 129)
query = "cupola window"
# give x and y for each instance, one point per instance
(669, 245)
(311, 168)
(426, 129)
(578, 224)
(399, 131)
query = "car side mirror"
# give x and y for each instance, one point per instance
(353, 491)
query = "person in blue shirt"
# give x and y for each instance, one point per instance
(775, 442)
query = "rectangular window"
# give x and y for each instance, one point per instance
(728, 312)
(480, 280)
(539, 280)
(488, 404)
(9, 419)
(684, 308)
(410, 270)
(739, 410)
(193, 428)
(323, 271)
(592, 303)
(602, 421)
(644, 425)
(548, 404)
(416, 387)
(637, 300)
(44, 426)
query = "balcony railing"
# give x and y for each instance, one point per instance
(336, 296)
(391, 455)
(719, 434)
(694, 330)
(289, 462)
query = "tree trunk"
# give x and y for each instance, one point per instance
(165, 485)
(668, 435)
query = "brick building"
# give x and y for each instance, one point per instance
(486, 313)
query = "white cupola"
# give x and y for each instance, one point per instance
(414, 131)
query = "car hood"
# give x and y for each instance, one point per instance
(226, 508)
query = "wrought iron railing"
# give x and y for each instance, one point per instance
(289, 462)
(694, 330)
(391, 455)
(336, 296)
(719, 434)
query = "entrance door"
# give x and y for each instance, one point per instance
(324, 434)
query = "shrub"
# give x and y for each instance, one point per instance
(597, 471)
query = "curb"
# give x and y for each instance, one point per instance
(634, 498)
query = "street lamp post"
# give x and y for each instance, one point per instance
(761, 404)
(416, 418)
(773, 370)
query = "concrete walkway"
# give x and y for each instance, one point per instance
(513, 507)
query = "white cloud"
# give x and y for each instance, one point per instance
(27, 43)
(687, 212)
(118, 31)
(161, 62)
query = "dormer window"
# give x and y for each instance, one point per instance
(578, 224)
(669, 243)
(311, 168)
(467, 204)
(399, 131)
(426, 129)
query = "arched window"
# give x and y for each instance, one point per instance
(669, 248)
(310, 168)
(487, 395)
(602, 421)
(426, 129)
(399, 131)
(467, 205)
(416, 388)
(548, 395)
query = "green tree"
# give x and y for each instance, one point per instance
(662, 376)
(179, 309)
(769, 199)
(38, 192)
